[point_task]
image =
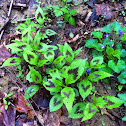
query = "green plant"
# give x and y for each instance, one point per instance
(5, 100)
(110, 43)
(66, 11)
(123, 98)
(66, 77)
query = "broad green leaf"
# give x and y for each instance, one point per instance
(122, 78)
(106, 69)
(109, 50)
(40, 16)
(68, 98)
(61, 48)
(77, 110)
(107, 41)
(76, 69)
(123, 37)
(107, 28)
(28, 77)
(30, 57)
(109, 102)
(35, 75)
(91, 43)
(123, 52)
(56, 103)
(73, 11)
(49, 56)
(98, 47)
(113, 102)
(123, 97)
(31, 91)
(97, 34)
(59, 62)
(100, 102)
(64, 10)
(36, 40)
(116, 26)
(44, 48)
(66, 17)
(95, 62)
(116, 67)
(68, 52)
(85, 87)
(96, 53)
(117, 54)
(52, 86)
(58, 13)
(89, 111)
(50, 32)
(11, 61)
(55, 7)
(42, 62)
(77, 52)
(98, 75)
(17, 46)
(72, 21)
(124, 118)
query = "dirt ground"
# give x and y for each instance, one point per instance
(9, 81)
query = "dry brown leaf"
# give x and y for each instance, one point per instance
(104, 10)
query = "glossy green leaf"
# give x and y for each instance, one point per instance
(35, 75)
(68, 98)
(56, 102)
(66, 17)
(11, 61)
(68, 52)
(72, 21)
(31, 91)
(64, 10)
(58, 13)
(17, 46)
(116, 26)
(109, 50)
(49, 56)
(116, 67)
(98, 75)
(77, 110)
(75, 71)
(77, 52)
(52, 86)
(50, 32)
(89, 111)
(122, 78)
(61, 48)
(107, 28)
(91, 43)
(85, 87)
(123, 97)
(96, 62)
(73, 11)
(40, 16)
(59, 62)
(30, 57)
(97, 34)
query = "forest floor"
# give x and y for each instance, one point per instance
(91, 14)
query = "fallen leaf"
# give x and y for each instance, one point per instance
(9, 115)
(4, 53)
(20, 104)
(104, 10)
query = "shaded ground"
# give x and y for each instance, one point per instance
(88, 18)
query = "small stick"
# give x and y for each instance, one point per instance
(7, 20)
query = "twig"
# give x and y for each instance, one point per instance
(7, 20)
(23, 20)
(10, 8)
